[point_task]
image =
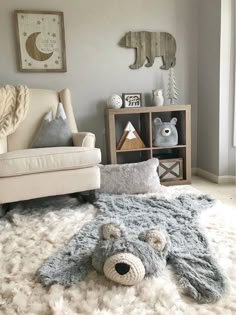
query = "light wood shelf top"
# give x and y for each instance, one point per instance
(170, 147)
(146, 109)
(130, 150)
(154, 148)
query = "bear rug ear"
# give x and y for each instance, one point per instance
(110, 231)
(158, 239)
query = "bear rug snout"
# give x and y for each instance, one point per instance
(124, 268)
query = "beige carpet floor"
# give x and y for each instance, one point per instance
(27, 238)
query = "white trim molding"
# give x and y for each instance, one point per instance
(214, 178)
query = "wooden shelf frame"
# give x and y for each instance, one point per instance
(146, 115)
(133, 150)
(147, 109)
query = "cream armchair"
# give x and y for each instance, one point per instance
(32, 173)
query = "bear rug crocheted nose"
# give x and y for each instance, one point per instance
(124, 268)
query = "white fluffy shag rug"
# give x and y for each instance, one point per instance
(28, 237)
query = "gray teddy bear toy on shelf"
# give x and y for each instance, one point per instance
(164, 133)
(133, 237)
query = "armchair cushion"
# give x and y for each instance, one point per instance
(32, 161)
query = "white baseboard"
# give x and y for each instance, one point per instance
(210, 176)
(214, 178)
(226, 179)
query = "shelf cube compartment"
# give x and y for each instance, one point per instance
(140, 121)
(180, 125)
(133, 156)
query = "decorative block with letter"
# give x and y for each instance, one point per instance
(170, 169)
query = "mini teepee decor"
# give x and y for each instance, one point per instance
(130, 139)
(172, 91)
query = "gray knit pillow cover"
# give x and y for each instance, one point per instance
(53, 132)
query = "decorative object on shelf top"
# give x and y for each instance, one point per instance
(132, 99)
(130, 139)
(164, 133)
(172, 91)
(114, 101)
(149, 45)
(157, 97)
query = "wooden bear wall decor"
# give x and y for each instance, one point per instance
(149, 45)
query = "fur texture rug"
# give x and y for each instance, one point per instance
(175, 236)
(31, 233)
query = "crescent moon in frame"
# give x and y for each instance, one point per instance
(33, 50)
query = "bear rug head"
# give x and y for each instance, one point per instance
(127, 260)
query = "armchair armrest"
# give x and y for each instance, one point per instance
(84, 139)
(3, 145)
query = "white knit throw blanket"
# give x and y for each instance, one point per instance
(14, 103)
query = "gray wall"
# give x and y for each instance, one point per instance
(208, 83)
(97, 66)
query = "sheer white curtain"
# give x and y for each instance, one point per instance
(234, 140)
(234, 136)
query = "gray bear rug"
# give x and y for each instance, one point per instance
(133, 237)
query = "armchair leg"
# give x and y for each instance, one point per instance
(87, 196)
(3, 210)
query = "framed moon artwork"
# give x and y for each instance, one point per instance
(40, 41)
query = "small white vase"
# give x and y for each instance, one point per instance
(158, 99)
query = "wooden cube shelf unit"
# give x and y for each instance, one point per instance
(142, 119)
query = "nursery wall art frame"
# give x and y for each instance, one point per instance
(40, 41)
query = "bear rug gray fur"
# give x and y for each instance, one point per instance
(155, 231)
